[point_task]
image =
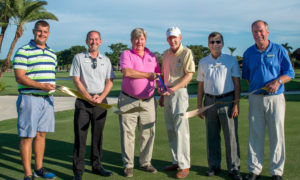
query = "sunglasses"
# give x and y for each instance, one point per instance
(213, 42)
(94, 63)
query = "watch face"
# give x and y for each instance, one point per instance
(280, 81)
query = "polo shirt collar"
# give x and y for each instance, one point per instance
(221, 55)
(87, 55)
(33, 44)
(268, 48)
(178, 52)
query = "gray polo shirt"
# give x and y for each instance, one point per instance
(92, 78)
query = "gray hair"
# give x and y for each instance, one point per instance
(138, 32)
(88, 34)
(214, 34)
(257, 21)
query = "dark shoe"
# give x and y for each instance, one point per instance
(148, 168)
(29, 177)
(101, 171)
(276, 177)
(212, 171)
(182, 173)
(43, 173)
(128, 172)
(173, 167)
(77, 177)
(235, 174)
(251, 176)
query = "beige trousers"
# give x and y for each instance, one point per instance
(145, 120)
(178, 127)
(266, 111)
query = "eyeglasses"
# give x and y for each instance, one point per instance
(94, 60)
(213, 42)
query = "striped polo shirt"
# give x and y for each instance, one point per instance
(40, 65)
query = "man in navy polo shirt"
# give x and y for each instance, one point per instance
(266, 64)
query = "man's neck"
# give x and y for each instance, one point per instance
(263, 47)
(94, 54)
(216, 55)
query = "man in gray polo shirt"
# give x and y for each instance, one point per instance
(93, 76)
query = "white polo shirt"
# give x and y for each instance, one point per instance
(217, 73)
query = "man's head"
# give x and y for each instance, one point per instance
(93, 40)
(260, 32)
(138, 39)
(174, 38)
(41, 32)
(215, 44)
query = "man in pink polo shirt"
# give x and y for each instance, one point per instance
(139, 67)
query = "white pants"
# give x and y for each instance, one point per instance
(266, 110)
(178, 127)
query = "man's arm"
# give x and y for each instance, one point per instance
(21, 78)
(274, 85)
(200, 97)
(82, 90)
(237, 91)
(107, 88)
(131, 73)
(183, 82)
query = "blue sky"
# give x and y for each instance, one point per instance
(196, 18)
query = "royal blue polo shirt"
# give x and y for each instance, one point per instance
(260, 68)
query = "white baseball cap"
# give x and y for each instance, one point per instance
(173, 31)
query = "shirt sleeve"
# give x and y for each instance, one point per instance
(235, 71)
(20, 59)
(200, 73)
(189, 64)
(286, 65)
(110, 72)
(125, 61)
(245, 68)
(75, 67)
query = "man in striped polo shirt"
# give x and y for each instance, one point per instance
(35, 67)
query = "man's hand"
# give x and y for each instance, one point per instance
(97, 99)
(168, 92)
(201, 115)
(273, 86)
(47, 87)
(235, 110)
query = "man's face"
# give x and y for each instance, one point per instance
(174, 42)
(215, 45)
(93, 41)
(138, 44)
(260, 33)
(41, 34)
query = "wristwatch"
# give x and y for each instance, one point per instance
(280, 81)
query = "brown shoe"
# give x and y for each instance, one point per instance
(128, 172)
(173, 167)
(182, 173)
(148, 168)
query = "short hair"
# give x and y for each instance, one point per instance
(138, 32)
(88, 34)
(257, 21)
(214, 34)
(41, 23)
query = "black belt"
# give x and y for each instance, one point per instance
(220, 96)
(36, 95)
(135, 97)
(93, 94)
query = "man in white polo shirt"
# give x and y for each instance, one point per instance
(219, 81)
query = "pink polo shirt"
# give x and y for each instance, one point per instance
(139, 88)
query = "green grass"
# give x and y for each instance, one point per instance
(59, 147)
(11, 86)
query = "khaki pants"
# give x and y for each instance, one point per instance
(146, 126)
(266, 111)
(178, 127)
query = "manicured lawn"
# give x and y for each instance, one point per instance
(59, 147)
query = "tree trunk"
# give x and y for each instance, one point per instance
(3, 29)
(19, 33)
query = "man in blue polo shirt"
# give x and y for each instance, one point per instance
(266, 64)
(35, 67)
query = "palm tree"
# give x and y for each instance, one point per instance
(6, 12)
(287, 47)
(26, 11)
(231, 49)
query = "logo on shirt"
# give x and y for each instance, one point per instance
(149, 60)
(270, 55)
